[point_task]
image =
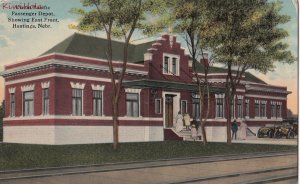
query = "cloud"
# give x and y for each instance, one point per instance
(5, 41)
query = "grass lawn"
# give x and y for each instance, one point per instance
(20, 156)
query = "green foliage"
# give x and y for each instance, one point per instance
(119, 15)
(21, 156)
(247, 33)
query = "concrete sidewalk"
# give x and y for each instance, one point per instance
(256, 140)
(265, 140)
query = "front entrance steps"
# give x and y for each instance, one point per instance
(183, 135)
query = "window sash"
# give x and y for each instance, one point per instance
(77, 102)
(183, 106)
(28, 104)
(273, 111)
(278, 111)
(157, 106)
(132, 104)
(263, 110)
(257, 110)
(12, 105)
(97, 103)
(247, 108)
(46, 101)
(220, 108)
(166, 64)
(240, 108)
(174, 66)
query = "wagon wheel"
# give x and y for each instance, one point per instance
(277, 134)
(270, 134)
(291, 135)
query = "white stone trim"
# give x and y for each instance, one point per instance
(219, 95)
(45, 84)
(42, 117)
(27, 88)
(171, 39)
(266, 89)
(132, 90)
(176, 105)
(45, 76)
(240, 97)
(266, 97)
(98, 87)
(171, 56)
(12, 90)
(77, 85)
(138, 91)
(150, 49)
(103, 67)
(156, 43)
(148, 56)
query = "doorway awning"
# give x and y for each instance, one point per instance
(167, 85)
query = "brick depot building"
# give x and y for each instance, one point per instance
(64, 95)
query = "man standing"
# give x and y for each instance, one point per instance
(234, 128)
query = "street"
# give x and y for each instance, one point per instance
(277, 169)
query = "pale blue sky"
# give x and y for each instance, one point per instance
(22, 44)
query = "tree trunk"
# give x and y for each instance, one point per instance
(115, 126)
(228, 114)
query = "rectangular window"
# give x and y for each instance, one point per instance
(278, 111)
(247, 107)
(12, 105)
(273, 111)
(97, 103)
(171, 64)
(196, 108)
(232, 108)
(174, 66)
(157, 106)
(166, 64)
(183, 106)
(263, 110)
(28, 105)
(45, 101)
(132, 104)
(240, 108)
(256, 106)
(220, 108)
(77, 102)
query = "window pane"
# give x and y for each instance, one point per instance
(74, 106)
(30, 108)
(28, 95)
(166, 64)
(183, 107)
(132, 96)
(135, 109)
(157, 106)
(174, 66)
(132, 104)
(129, 108)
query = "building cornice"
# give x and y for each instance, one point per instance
(50, 63)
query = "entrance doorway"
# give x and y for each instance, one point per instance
(169, 111)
